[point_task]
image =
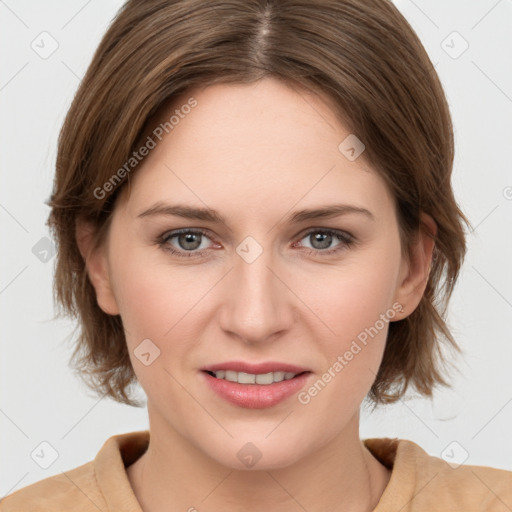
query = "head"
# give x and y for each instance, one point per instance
(255, 110)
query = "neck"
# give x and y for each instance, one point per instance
(175, 475)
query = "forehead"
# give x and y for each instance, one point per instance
(248, 144)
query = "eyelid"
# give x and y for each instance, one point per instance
(315, 229)
(346, 239)
(163, 240)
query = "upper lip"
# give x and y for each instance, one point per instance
(255, 369)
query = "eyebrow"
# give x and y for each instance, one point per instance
(209, 215)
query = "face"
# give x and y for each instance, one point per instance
(259, 285)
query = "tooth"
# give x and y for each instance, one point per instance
(266, 378)
(278, 376)
(231, 376)
(246, 378)
(249, 378)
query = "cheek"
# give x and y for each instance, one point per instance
(163, 303)
(156, 303)
(154, 300)
(353, 307)
(351, 297)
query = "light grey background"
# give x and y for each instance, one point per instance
(41, 400)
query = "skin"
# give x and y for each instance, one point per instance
(255, 153)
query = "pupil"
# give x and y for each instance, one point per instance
(189, 241)
(324, 239)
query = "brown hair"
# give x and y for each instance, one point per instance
(360, 54)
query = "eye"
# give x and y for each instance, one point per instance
(187, 242)
(322, 239)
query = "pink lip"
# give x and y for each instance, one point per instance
(256, 396)
(261, 368)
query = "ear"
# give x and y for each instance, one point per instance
(96, 263)
(415, 270)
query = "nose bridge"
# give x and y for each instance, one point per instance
(257, 301)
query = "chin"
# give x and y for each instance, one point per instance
(257, 455)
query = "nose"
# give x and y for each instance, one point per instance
(258, 305)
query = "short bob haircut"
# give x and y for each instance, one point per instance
(362, 55)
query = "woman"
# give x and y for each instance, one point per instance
(255, 221)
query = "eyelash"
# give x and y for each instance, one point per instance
(346, 238)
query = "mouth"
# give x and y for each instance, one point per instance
(264, 379)
(255, 391)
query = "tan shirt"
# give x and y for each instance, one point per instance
(419, 482)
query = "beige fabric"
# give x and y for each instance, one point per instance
(419, 482)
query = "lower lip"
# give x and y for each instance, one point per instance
(256, 396)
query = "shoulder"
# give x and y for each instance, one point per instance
(88, 487)
(423, 482)
(473, 487)
(75, 490)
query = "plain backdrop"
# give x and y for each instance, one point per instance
(41, 401)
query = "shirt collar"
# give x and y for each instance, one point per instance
(121, 450)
